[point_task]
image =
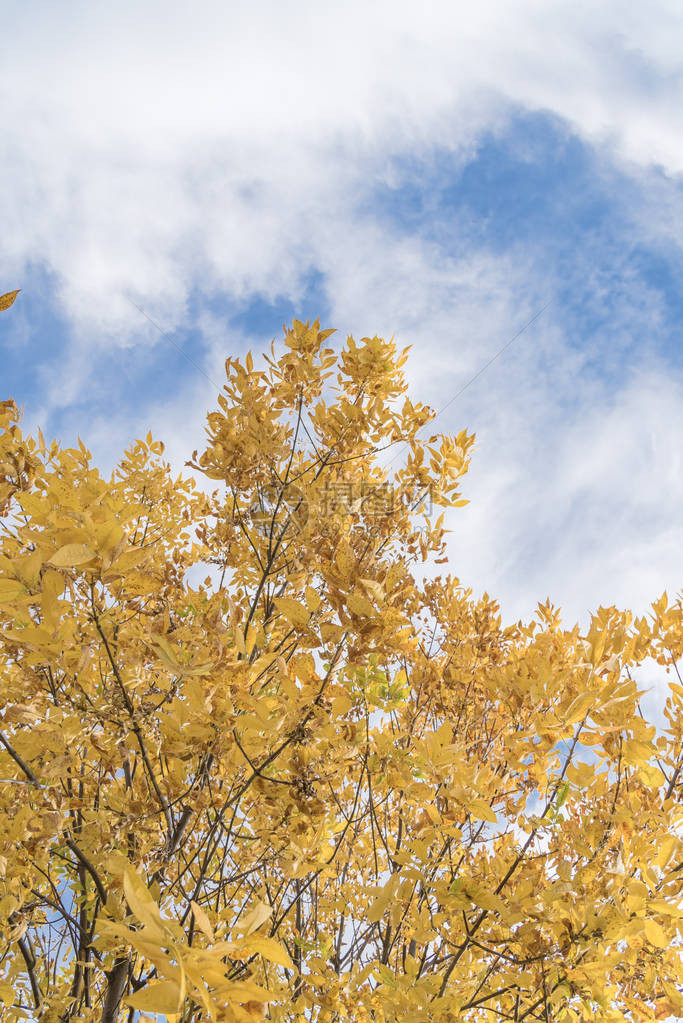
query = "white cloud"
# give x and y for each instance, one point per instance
(150, 149)
(586, 510)
(149, 146)
(576, 486)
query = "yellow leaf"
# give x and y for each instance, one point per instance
(636, 752)
(149, 941)
(578, 708)
(162, 996)
(7, 299)
(202, 921)
(10, 589)
(250, 640)
(331, 633)
(130, 558)
(116, 864)
(52, 583)
(71, 555)
(651, 775)
(378, 908)
(665, 850)
(247, 991)
(611, 664)
(270, 950)
(433, 814)
(375, 590)
(361, 606)
(312, 599)
(238, 638)
(140, 899)
(110, 537)
(655, 934)
(6, 993)
(341, 704)
(665, 908)
(480, 809)
(485, 899)
(346, 560)
(253, 918)
(674, 996)
(293, 611)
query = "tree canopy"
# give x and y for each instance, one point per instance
(256, 762)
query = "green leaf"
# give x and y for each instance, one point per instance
(561, 794)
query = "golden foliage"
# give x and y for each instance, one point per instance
(255, 766)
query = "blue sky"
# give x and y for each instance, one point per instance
(439, 174)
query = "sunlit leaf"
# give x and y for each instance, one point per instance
(71, 555)
(7, 299)
(161, 996)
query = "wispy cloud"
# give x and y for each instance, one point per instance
(437, 174)
(150, 148)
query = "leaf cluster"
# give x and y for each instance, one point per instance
(254, 763)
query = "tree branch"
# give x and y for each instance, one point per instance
(83, 859)
(17, 759)
(30, 969)
(116, 985)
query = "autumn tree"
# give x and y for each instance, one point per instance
(257, 762)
